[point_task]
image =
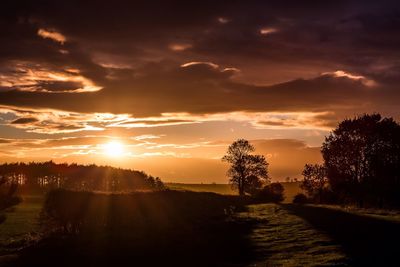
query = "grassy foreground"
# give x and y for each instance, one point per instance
(21, 223)
(262, 235)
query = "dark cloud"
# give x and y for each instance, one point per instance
(24, 121)
(4, 141)
(56, 86)
(203, 89)
(125, 48)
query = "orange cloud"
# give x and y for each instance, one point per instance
(179, 47)
(268, 30)
(195, 63)
(29, 77)
(53, 35)
(363, 79)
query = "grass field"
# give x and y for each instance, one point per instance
(21, 221)
(284, 239)
(273, 235)
(291, 189)
(224, 189)
(313, 235)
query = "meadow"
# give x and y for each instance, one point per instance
(178, 228)
(291, 189)
(21, 224)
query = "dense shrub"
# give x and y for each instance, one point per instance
(7, 196)
(273, 192)
(300, 199)
(75, 212)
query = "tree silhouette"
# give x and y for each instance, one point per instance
(362, 158)
(314, 181)
(247, 172)
(45, 176)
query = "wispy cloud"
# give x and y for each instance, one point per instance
(29, 77)
(53, 35)
(340, 73)
(179, 46)
(268, 30)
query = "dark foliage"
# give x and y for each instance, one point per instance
(315, 182)
(362, 159)
(7, 194)
(164, 228)
(76, 211)
(273, 192)
(41, 177)
(300, 199)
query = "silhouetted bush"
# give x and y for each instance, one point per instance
(153, 228)
(7, 196)
(314, 182)
(132, 213)
(300, 199)
(273, 192)
(7, 193)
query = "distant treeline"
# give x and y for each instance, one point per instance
(41, 177)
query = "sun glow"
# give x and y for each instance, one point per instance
(113, 149)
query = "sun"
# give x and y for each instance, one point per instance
(113, 149)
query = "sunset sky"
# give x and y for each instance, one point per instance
(166, 86)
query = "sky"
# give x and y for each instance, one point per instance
(166, 86)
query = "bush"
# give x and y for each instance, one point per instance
(273, 192)
(9, 201)
(139, 212)
(7, 196)
(300, 199)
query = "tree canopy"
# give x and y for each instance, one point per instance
(314, 181)
(362, 160)
(247, 172)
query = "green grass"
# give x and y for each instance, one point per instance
(323, 235)
(224, 189)
(279, 235)
(283, 239)
(383, 214)
(21, 221)
(367, 237)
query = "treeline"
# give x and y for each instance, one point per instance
(41, 177)
(361, 165)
